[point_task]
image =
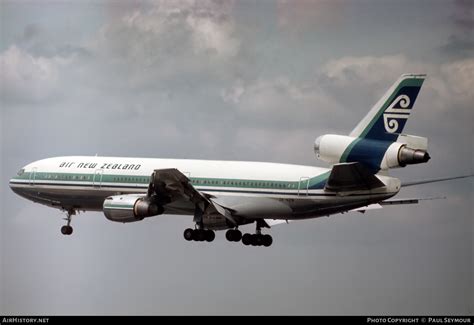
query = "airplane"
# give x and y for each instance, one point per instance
(223, 195)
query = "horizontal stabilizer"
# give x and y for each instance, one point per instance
(433, 180)
(402, 201)
(351, 177)
(380, 205)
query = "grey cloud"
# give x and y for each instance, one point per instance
(31, 32)
(466, 22)
(69, 50)
(464, 14)
(27, 78)
(40, 43)
(459, 46)
(460, 43)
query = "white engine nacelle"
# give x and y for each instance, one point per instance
(331, 147)
(408, 150)
(130, 208)
(399, 155)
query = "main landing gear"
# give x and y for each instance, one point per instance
(67, 229)
(199, 234)
(257, 239)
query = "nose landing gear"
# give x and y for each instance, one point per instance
(67, 229)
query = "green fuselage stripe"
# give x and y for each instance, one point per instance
(99, 178)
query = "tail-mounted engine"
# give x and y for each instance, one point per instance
(130, 208)
(376, 154)
(400, 155)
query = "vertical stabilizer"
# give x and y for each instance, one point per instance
(387, 118)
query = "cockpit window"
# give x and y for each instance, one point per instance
(21, 172)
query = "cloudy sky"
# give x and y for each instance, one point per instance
(234, 80)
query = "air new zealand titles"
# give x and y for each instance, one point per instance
(105, 165)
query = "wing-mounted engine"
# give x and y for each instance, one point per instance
(130, 207)
(375, 154)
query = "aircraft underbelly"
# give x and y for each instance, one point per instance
(299, 207)
(249, 207)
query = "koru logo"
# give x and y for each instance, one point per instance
(392, 115)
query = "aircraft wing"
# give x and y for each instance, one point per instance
(351, 177)
(169, 185)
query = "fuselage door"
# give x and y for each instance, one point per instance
(33, 175)
(97, 180)
(303, 186)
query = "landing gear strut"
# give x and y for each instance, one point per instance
(199, 233)
(257, 239)
(67, 229)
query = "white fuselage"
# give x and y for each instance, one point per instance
(254, 189)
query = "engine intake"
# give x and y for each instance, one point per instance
(130, 208)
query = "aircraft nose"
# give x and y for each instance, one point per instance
(17, 188)
(15, 180)
(12, 185)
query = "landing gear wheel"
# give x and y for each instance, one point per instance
(237, 235)
(267, 240)
(233, 235)
(257, 240)
(188, 234)
(247, 239)
(209, 235)
(66, 230)
(199, 235)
